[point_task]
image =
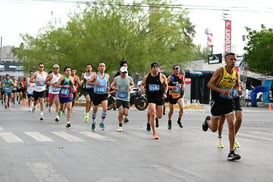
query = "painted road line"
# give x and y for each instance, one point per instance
(39, 137)
(67, 136)
(10, 137)
(45, 172)
(95, 136)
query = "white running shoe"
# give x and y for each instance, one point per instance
(220, 143)
(50, 109)
(119, 129)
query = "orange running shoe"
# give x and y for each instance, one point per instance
(155, 136)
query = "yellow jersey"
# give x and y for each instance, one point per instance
(228, 80)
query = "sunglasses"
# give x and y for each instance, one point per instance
(41, 67)
(177, 68)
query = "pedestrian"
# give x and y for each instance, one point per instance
(100, 81)
(156, 86)
(122, 84)
(53, 92)
(7, 85)
(39, 93)
(176, 85)
(66, 85)
(88, 90)
(221, 84)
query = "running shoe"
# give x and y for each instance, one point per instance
(126, 120)
(220, 143)
(42, 118)
(30, 109)
(102, 126)
(155, 136)
(6, 107)
(205, 125)
(50, 109)
(93, 127)
(170, 124)
(236, 144)
(68, 125)
(232, 156)
(179, 124)
(148, 127)
(156, 123)
(57, 119)
(63, 112)
(86, 117)
(119, 129)
(33, 109)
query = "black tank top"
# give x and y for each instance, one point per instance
(154, 87)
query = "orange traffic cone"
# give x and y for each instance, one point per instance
(269, 107)
(25, 104)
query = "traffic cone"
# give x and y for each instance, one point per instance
(269, 107)
(25, 103)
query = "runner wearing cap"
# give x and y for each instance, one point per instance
(53, 91)
(156, 86)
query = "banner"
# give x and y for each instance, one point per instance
(227, 36)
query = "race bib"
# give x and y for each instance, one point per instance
(100, 90)
(7, 89)
(42, 83)
(65, 91)
(123, 95)
(54, 89)
(233, 94)
(154, 87)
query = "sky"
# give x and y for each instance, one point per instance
(19, 17)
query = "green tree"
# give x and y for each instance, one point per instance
(259, 50)
(110, 31)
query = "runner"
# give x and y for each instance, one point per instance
(76, 81)
(176, 83)
(7, 87)
(122, 84)
(156, 86)
(53, 92)
(100, 80)
(88, 90)
(222, 83)
(67, 85)
(238, 116)
(30, 89)
(39, 78)
(14, 93)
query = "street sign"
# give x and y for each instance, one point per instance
(215, 59)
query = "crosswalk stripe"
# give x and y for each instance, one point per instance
(10, 137)
(95, 136)
(44, 171)
(67, 137)
(38, 136)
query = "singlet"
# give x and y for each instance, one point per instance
(102, 88)
(176, 81)
(227, 81)
(30, 87)
(51, 88)
(154, 87)
(39, 87)
(15, 85)
(86, 78)
(7, 86)
(75, 84)
(66, 92)
(123, 85)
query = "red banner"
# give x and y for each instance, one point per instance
(227, 36)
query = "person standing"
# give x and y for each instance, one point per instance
(122, 84)
(66, 85)
(176, 85)
(53, 91)
(7, 85)
(88, 90)
(156, 86)
(100, 80)
(39, 78)
(222, 83)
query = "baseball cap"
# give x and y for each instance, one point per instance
(123, 69)
(155, 65)
(55, 66)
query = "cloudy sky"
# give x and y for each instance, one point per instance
(29, 16)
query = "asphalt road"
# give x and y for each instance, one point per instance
(32, 150)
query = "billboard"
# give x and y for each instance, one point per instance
(227, 36)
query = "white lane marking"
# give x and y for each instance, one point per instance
(67, 136)
(45, 172)
(95, 136)
(39, 137)
(10, 137)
